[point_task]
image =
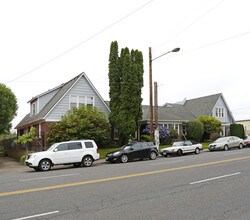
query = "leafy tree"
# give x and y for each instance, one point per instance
(195, 130)
(81, 123)
(27, 138)
(126, 81)
(8, 108)
(211, 125)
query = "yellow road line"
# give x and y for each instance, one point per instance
(119, 177)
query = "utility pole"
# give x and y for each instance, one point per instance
(151, 96)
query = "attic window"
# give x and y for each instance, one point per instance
(33, 108)
(76, 101)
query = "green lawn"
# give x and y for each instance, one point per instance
(104, 151)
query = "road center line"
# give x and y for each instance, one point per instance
(49, 177)
(176, 161)
(119, 177)
(36, 216)
(214, 178)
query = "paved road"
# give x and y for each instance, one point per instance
(213, 185)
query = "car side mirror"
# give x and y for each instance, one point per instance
(131, 148)
(55, 150)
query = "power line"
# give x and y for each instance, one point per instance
(191, 24)
(83, 42)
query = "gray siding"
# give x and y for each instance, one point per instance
(227, 118)
(43, 100)
(81, 88)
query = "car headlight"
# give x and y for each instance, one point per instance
(116, 153)
(32, 156)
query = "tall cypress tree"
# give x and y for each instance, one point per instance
(114, 83)
(126, 82)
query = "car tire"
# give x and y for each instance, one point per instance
(197, 150)
(179, 152)
(44, 165)
(87, 161)
(152, 155)
(240, 146)
(226, 148)
(124, 158)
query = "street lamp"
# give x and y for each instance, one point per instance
(150, 89)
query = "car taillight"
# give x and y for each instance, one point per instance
(97, 150)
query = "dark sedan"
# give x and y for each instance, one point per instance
(135, 150)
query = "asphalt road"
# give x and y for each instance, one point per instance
(211, 185)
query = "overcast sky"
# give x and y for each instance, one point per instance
(46, 43)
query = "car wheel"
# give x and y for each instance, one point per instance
(240, 146)
(152, 155)
(210, 149)
(226, 148)
(87, 161)
(179, 152)
(44, 165)
(124, 158)
(197, 151)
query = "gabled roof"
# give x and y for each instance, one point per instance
(203, 105)
(63, 89)
(172, 112)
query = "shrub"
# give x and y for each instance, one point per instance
(237, 130)
(195, 130)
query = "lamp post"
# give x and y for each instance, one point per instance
(151, 92)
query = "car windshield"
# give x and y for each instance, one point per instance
(50, 149)
(180, 143)
(221, 140)
(126, 147)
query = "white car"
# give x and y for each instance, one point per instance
(225, 143)
(80, 152)
(182, 147)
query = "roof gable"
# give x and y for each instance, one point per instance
(203, 105)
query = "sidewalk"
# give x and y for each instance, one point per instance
(8, 163)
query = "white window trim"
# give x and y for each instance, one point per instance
(78, 98)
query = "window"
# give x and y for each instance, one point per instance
(219, 112)
(62, 147)
(76, 101)
(72, 101)
(90, 101)
(89, 144)
(75, 146)
(33, 108)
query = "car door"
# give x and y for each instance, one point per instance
(188, 147)
(75, 152)
(135, 151)
(231, 142)
(61, 154)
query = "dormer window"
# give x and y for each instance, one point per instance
(33, 108)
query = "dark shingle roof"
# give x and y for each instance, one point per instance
(40, 116)
(203, 105)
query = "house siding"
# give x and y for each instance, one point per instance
(81, 88)
(221, 104)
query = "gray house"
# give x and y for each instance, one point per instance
(51, 105)
(177, 115)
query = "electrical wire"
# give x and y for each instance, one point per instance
(83, 42)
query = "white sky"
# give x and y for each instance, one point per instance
(46, 43)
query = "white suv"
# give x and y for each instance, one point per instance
(79, 152)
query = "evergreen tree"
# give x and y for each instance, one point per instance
(126, 81)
